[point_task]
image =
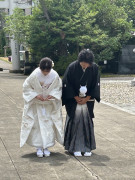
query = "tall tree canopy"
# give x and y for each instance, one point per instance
(2, 34)
(60, 29)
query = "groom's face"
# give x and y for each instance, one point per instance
(84, 65)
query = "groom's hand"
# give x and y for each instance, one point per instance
(78, 99)
(84, 100)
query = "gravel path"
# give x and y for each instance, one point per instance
(118, 92)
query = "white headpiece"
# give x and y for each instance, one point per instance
(52, 64)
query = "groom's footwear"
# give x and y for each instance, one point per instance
(87, 154)
(77, 154)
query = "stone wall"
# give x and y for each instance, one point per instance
(127, 61)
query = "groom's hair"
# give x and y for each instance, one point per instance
(45, 64)
(86, 55)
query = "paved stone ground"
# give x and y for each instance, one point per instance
(114, 158)
(5, 65)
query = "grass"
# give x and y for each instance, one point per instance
(5, 59)
(113, 75)
(116, 75)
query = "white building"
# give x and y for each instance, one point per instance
(8, 6)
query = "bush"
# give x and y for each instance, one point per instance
(8, 51)
(63, 62)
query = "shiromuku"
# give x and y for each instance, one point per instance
(42, 122)
(81, 86)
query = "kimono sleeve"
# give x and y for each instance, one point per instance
(68, 91)
(95, 87)
(57, 90)
(28, 90)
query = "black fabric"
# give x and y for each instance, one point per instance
(79, 132)
(84, 78)
(73, 78)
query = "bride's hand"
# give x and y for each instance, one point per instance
(40, 97)
(48, 98)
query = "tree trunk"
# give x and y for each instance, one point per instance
(43, 6)
(63, 48)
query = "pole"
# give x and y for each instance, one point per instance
(14, 44)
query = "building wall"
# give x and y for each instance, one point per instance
(11, 4)
(127, 61)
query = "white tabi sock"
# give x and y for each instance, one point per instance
(46, 152)
(87, 153)
(39, 152)
(77, 153)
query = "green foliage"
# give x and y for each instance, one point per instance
(17, 25)
(60, 29)
(8, 51)
(2, 34)
(112, 20)
(129, 8)
(2, 42)
(63, 63)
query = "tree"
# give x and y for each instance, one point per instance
(17, 25)
(2, 34)
(60, 29)
(113, 21)
(129, 8)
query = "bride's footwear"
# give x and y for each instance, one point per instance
(39, 153)
(46, 152)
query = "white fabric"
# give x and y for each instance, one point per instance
(46, 152)
(42, 120)
(77, 153)
(40, 153)
(87, 153)
(83, 90)
(47, 80)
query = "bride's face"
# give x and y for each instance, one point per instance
(45, 72)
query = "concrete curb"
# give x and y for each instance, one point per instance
(15, 71)
(117, 107)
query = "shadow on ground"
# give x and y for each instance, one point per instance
(57, 159)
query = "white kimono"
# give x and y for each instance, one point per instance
(42, 122)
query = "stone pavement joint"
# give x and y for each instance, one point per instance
(10, 158)
(89, 171)
(118, 107)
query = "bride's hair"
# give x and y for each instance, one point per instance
(46, 64)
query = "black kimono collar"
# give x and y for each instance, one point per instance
(84, 74)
